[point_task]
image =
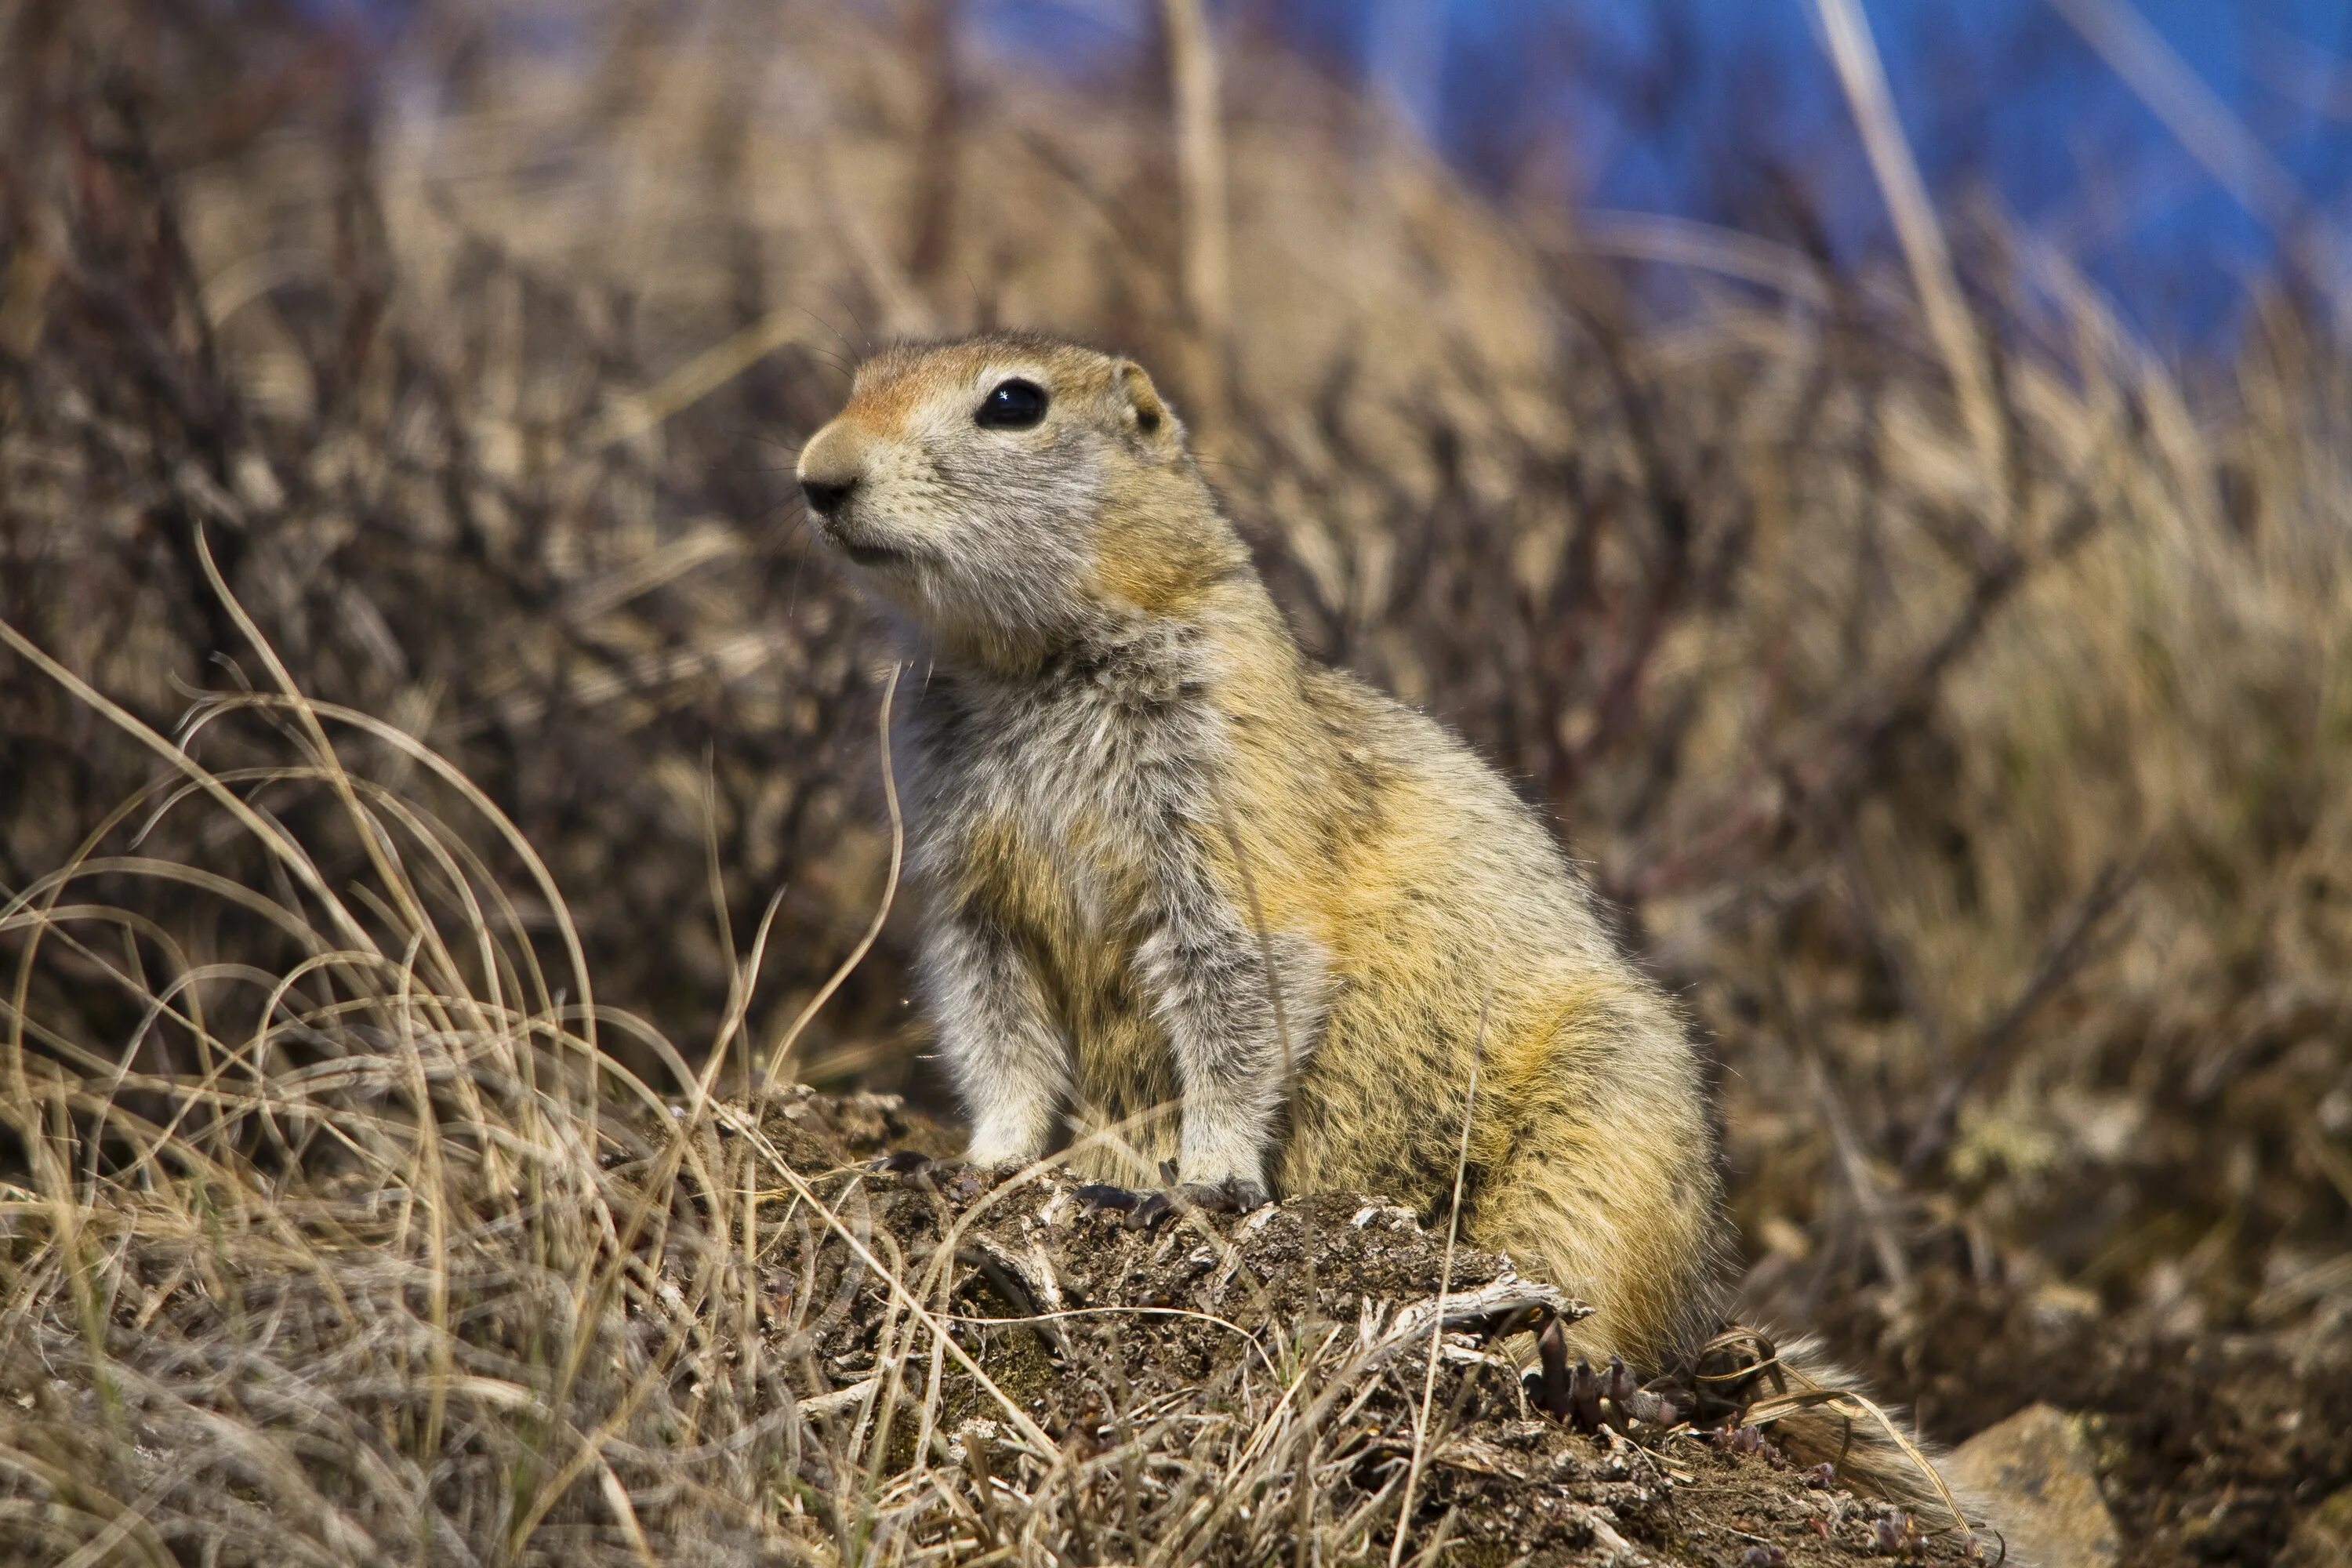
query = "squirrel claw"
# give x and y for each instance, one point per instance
(957, 1179)
(1235, 1195)
(914, 1169)
(1104, 1196)
(1154, 1207)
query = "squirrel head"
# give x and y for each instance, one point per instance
(1013, 494)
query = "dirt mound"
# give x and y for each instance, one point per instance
(1192, 1372)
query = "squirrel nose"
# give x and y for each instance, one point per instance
(831, 465)
(825, 496)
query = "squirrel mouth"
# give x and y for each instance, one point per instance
(865, 552)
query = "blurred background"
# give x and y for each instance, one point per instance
(1880, 475)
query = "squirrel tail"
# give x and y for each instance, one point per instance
(1818, 1413)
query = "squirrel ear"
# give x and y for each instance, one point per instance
(1141, 408)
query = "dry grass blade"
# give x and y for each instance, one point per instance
(2176, 95)
(1206, 269)
(1437, 1318)
(1915, 224)
(780, 1057)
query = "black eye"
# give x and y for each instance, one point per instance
(1013, 406)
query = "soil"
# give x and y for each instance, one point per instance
(2214, 1447)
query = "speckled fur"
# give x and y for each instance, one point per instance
(1183, 880)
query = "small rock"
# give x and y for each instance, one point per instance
(2037, 1473)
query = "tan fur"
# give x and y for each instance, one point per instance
(1184, 882)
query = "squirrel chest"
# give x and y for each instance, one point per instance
(1051, 813)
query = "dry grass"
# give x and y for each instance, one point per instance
(414, 1271)
(1990, 810)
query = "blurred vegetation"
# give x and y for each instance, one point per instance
(1955, 698)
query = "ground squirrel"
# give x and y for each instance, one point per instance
(1184, 882)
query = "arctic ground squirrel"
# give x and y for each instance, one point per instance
(1187, 886)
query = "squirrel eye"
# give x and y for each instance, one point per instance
(1013, 406)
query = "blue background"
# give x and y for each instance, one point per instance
(1717, 109)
